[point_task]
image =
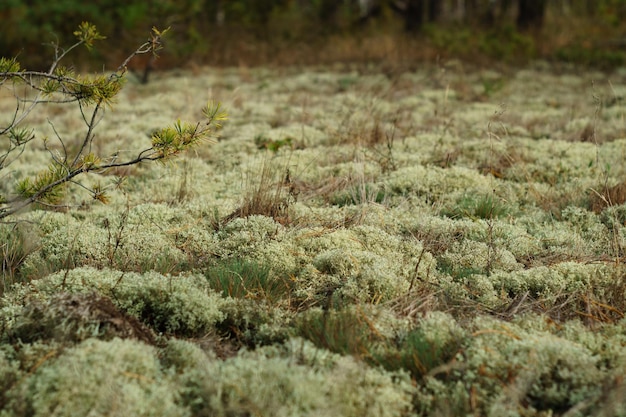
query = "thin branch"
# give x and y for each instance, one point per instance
(56, 101)
(89, 136)
(62, 145)
(12, 123)
(58, 58)
(6, 211)
(82, 113)
(5, 156)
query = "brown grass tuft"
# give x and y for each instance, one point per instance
(609, 196)
(268, 196)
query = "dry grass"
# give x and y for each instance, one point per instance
(607, 197)
(267, 194)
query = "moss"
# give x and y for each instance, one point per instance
(293, 380)
(72, 318)
(77, 384)
(131, 240)
(477, 257)
(547, 254)
(510, 369)
(183, 304)
(10, 374)
(254, 323)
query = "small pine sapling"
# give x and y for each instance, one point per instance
(92, 94)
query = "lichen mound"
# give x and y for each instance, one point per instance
(175, 304)
(96, 378)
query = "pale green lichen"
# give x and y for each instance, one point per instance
(555, 281)
(243, 236)
(296, 379)
(180, 304)
(254, 323)
(115, 378)
(140, 238)
(507, 366)
(440, 329)
(71, 318)
(590, 228)
(442, 138)
(10, 374)
(561, 373)
(437, 184)
(477, 257)
(367, 263)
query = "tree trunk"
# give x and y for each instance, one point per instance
(327, 10)
(530, 14)
(471, 12)
(435, 8)
(414, 15)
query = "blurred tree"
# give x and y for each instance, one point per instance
(326, 9)
(435, 9)
(530, 14)
(414, 15)
(494, 11)
(369, 9)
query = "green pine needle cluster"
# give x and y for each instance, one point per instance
(61, 85)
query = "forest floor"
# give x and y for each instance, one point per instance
(448, 241)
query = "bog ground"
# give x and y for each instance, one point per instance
(441, 242)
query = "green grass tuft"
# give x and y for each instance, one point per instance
(239, 278)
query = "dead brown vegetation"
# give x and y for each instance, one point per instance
(607, 197)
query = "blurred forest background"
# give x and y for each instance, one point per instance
(308, 32)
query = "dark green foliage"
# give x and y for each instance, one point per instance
(492, 86)
(346, 82)
(352, 332)
(417, 354)
(592, 56)
(507, 44)
(252, 12)
(477, 206)
(202, 27)
(359, 194)
(454, 41)
(29, 23)
(458, 273)
(263, 142)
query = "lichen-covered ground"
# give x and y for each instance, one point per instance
(359, 242)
